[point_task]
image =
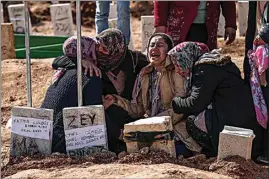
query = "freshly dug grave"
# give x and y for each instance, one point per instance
(234, 167)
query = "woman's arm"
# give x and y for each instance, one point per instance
(161, 11)
(204, 82)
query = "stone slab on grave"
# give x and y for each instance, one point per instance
(235, 141)
(85, 130)
(7, 38)
(16, 17)
(242, 7)
(153, 124)
(147, 28)
(62, 19)
(31, 131)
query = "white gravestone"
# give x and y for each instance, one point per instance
(85, 130)
(242, 17)
(31, 131)
(16, 17)
(221, 25)
(112, 11)
(235, 141)
(147, 28)
(61, 16)
(2, 13)
(161, 124)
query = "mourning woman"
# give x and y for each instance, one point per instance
(112, 69)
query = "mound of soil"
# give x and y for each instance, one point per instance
(235, 167)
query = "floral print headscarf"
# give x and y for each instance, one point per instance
(184, 55)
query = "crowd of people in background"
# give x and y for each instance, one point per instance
(182, 75)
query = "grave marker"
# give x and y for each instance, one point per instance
(61, 16)
(31, 131)
(7, 45)
(85, 130)
(16, 17)
(235, 141)
(221, 25)
(242, 16)
(2, 13)
(112, 11)
(147, 28)
(161, 125)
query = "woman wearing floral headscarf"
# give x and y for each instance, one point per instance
(217, 96)
(156, 86)
(108, 57)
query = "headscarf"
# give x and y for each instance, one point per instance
(114, 42)
(137, 86)
(259, 60)
(183, 56)
(88, 46)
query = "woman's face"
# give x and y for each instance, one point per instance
(157, 50)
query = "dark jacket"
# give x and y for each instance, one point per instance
(178, 17)
(232, 104)
(131, 65)
(63, 93)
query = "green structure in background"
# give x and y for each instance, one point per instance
(40, 46)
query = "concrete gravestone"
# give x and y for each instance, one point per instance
(221, 25)
(16, 16)
(61, 16)
(31, 131)
(7, 37)
(112, 11)
(85, 130)
(161, 125)
(242, 16)
(147, 29)
(2, 13)
(235, 141)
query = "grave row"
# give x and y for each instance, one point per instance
(61, 15)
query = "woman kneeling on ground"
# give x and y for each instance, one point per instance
(156, 86)
(107, 57)
(217, 97)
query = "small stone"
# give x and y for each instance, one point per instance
(180, 157)
(144, 150)
(122, 154)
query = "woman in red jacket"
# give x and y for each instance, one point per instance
(195, 20)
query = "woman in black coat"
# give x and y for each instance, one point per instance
(217, 96)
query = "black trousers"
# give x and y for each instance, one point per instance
(116, 117)
(197, 33)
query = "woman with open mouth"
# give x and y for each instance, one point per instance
(155, 87)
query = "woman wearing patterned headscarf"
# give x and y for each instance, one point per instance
(216, 96)
(105, 56)
(156, 86)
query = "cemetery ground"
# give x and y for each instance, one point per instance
(145, 164)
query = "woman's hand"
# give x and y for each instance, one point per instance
(91, 68)
(108, 100)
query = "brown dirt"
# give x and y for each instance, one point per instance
(152, 164)
(234, 167)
